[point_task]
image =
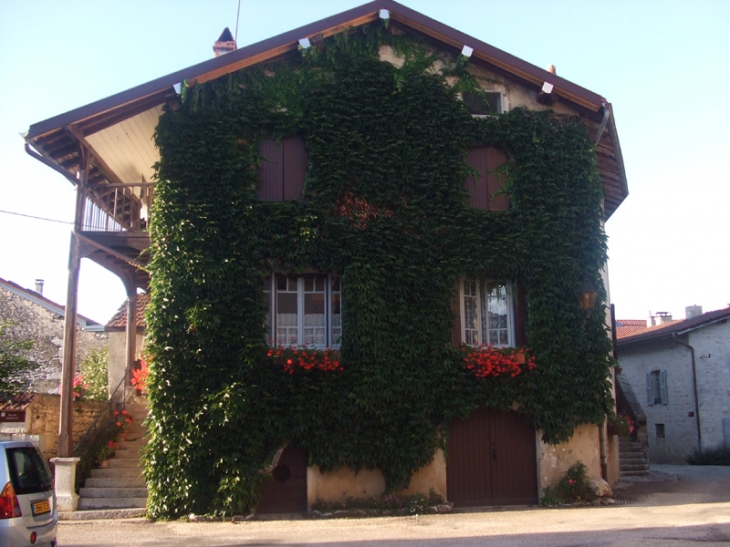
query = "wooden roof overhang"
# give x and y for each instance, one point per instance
(96, 126)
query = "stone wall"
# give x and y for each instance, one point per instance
(45, 328)
(41, 422)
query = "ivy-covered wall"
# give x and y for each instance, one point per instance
(392, 141)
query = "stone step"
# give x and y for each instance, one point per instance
(632, 457)
(118, 492)
(630, 444)
(103, 514)
(129, 447)
(115, 463)
(115, 482)
(102, 503)
(116, 473)
(638, 467)
(633, 473)
(622, 453)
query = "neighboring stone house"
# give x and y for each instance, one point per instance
(39, 319)
(116, 329)
(683, 368)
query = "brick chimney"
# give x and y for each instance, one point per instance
(39, 286)
(692, 311)
(224, 44)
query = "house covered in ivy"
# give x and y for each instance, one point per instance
(362, 241)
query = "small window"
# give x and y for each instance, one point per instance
(307, 310)
(660, 431)
(656, 387)
(486, 313)
(483, 105)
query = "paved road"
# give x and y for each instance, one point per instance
(680, 506)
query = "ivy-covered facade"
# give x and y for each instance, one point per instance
(335, 238)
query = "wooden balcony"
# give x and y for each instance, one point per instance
(115, 228)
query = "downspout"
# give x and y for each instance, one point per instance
(606, 115)
(602, 427)
(694, 385)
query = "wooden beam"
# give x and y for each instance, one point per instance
(100, 164)
(68, 366)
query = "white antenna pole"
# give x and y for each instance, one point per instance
(237, 16)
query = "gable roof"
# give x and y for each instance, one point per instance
(57, 139)
(676, 327)
(40, 300)
(119, 321)
(629, 327)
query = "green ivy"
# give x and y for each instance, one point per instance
(396, 139)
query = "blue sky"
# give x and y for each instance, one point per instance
(662, 64)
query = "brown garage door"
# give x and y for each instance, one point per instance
(286, 490)
(491, 460)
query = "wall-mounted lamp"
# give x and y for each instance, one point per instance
(384, 14)
(547, 88)
(466, 51)
(305, 43)
(587, 295)
(177, 87)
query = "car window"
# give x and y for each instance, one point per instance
(28, 472)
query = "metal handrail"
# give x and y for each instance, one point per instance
(92, 429)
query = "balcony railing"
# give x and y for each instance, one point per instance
(118, 207)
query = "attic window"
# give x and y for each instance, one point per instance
(483, 105)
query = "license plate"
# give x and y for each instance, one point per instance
(41, 507)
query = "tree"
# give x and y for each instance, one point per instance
(95, 373)
(13, 360)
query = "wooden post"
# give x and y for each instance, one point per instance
(131, 332)
(65, 423)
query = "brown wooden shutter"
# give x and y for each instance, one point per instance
(478, 193)
(482, 190)
(520, 304)
(296, 162)
(494, 181)
(271, 172)
(456, 308)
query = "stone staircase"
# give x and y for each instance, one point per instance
(633, 460)
(116, 488)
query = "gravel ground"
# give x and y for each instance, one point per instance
(675, 506)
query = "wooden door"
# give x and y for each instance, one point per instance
(286, 490)
(492, 460)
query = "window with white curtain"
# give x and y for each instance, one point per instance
(487, 313)
(304, 309)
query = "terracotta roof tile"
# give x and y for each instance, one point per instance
(679, 327)
(119, 321)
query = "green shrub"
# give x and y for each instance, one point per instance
(95, 372)
(719, 455)
(415, 503)
(574, 487)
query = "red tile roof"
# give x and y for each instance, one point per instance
(627, 327)
(675, 327)
(119, 321)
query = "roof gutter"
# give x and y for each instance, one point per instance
(694, 385)
(45, 161)
(606, 115)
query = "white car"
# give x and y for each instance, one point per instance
(28, 513)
